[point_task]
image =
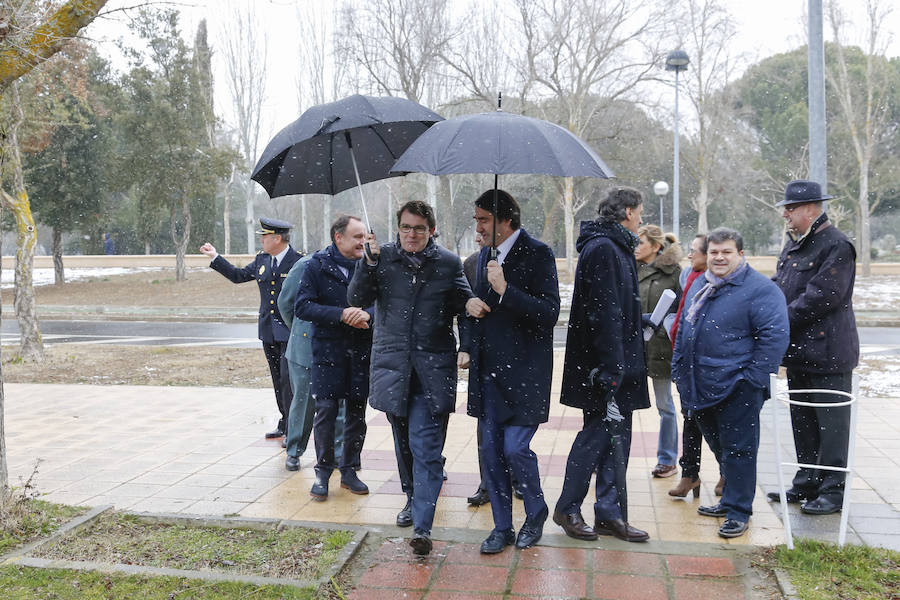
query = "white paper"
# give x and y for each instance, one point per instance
(661, 310)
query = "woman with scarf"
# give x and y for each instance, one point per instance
(658, 270)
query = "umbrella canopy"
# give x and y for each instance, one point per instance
(340, 145)
(501, 143)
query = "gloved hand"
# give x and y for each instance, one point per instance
(646, 322)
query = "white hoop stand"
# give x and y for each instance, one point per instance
(852, 402)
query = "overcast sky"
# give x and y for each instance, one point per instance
(765, 27)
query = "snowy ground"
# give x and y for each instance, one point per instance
(45, 276)
(879, 292)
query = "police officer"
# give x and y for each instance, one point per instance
(269, 269)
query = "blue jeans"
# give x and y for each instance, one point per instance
(667, 446)
(731, 429)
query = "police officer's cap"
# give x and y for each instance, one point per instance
(802, 191)
(273, 226)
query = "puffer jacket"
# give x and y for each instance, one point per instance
(414, 310)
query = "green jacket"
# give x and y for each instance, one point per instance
(653, 279)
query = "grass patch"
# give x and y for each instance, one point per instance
(24, 583)
(24, 519)
(822, 571)
(293, 553)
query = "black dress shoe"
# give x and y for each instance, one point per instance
(820, 506)
(319, 490)
(621, 530)
(714, 510)
(421, 544)
(292, 463)
(574, 526)
(732, 528)
(531, 532)
(350, 481)
(444, 474)
(792, 496)
(479, 498)
(275, 433)
(517, 492)
(497, 541)
(404, 517)
(284, 442)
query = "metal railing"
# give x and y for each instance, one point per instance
(852, 402)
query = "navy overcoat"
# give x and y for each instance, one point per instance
(605, 323)
(514, 342)
(271, 327)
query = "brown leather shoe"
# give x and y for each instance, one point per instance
(574, 526)
(621, 530)
(687, 484)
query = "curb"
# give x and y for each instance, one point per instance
(784, 584)
(75, 524)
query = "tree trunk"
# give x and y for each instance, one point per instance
(448, 229)
(4, 472)
(304, 225)
(226, 211)
(702, 204)
(326, 220)
(569, 216)
(23, 299)
(251, 228)
(865, 237)
(180, 240)
(59, 274)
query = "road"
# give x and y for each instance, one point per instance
(877, 340)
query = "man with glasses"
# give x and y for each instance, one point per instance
(417, 288)
(269, 269)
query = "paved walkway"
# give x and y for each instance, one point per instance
(201, 451)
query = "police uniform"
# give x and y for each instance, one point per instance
(272, 331)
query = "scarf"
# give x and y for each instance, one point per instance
(713, 283)
(341, 260)
(631, 238)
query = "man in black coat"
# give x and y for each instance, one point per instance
(511, 363)
(269, 269)
(605, 372)
(341, 347)
(816, 272)
(417, 287)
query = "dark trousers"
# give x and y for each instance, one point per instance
(506, 452)
(691, 438)
(281, 380)
(821, 435)
(602, 447)
(731, 428)
(302, 413)
(353, 371)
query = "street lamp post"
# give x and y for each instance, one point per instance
(677, 61)
(661, 188)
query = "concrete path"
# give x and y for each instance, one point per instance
(201, 451)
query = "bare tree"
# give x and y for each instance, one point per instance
(864, 108)
(587, 54)
(245, 49)
(21, 50)
(706, 31)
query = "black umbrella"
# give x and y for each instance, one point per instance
(501, 143)
(336, 146)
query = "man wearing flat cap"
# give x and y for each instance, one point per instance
(269, 269)
(816, 272)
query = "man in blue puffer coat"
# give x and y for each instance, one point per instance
(732, 337)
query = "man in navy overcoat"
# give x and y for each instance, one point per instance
(511, 363)
(268, 269)
(341, 346)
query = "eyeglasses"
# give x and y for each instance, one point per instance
(417, 229)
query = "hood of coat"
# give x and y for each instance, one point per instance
(594, 229)
(667, 260)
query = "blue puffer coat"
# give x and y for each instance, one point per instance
(741, 332)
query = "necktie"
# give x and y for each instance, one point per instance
(274, 264)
